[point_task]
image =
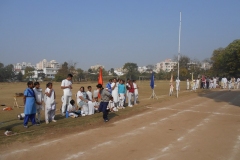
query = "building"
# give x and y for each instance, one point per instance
(96, 67)
(168, 65)
(45, 64)
(142, 69)
(206, 65)
(22, 66)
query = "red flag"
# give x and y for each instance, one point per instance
(100, 79)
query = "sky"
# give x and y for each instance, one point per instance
(114, 32)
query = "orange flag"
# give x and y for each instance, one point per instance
(100, 79)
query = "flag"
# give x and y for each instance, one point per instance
(152, 81)
(100, 79)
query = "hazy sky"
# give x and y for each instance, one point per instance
(113, 32)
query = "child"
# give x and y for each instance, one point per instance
(39, 99)
(30, 106)
(111, 106)
(72, 109)
(50, 104)
(188, 83)
(121, 92)
(96, 104)
(171, 89)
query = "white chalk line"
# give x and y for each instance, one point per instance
(137, 131)
(180, 139)
(82, 133)
(235, 149)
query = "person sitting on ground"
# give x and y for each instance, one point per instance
(72, 111)
(111, 106)
(86, 105)
(96, 105)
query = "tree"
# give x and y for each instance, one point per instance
(29, 72)
(20, 76)
(62, 72)
(131, 70)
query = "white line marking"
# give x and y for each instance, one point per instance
(74, 156)
(235, 149)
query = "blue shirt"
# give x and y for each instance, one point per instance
(108, 86)
(30, 105)
(121, 89)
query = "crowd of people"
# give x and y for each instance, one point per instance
(103, 99)
(208, 83)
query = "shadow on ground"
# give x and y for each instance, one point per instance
(231, 97)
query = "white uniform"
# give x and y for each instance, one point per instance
(67, 94)
(115, 93)
(50, 106)
(178, 84)
(214, 82)
(90, 95)
(71, 109)
(135, 93)
(39, 98)
(188, 84)
(197, 83)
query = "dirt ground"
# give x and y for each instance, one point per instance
(199, 126)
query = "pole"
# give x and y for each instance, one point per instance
(179, 40)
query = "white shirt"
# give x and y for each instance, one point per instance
(89, 95)
(115, 90)
(66, 91)
(50, 100)
(38, 94)
(71, 108)
(135, 88)
(79, 93)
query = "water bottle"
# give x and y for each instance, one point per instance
(67, 114)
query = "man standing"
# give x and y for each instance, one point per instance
(67, 94)
(105, 97)
(178, 84)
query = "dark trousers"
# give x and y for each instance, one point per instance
(103, 108)
(31, 117)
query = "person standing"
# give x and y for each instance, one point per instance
(50, 104)
(30, 105)
(177, 84)
(39, 100)
(105, 97)
(135, 86)
(67, 94)
(114, 87)
(188, 84)
(122, 94)
(130, 93)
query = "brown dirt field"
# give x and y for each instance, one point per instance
(203, 125)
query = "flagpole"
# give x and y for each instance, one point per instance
(179, 40)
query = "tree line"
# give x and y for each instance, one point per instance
(223, 62)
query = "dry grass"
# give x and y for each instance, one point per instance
(9, 121)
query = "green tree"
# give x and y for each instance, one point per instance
(62, 72)
(20, 76)
(29, 72)
(131, 70)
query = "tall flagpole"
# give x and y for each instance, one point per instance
(179, 40)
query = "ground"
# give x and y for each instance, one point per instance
(195, 126)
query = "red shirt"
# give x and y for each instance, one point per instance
(131, 89)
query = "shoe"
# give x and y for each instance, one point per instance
(130, 106)
(54, 120)
(36, 124)
(47, 122)
(25, 126)
(123, 107)
(106, 120)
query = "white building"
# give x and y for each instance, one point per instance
(45, 64)
(23, 65)
(96, 67)
(50, 72)
(142, 69)
(206, 65)
(167, 65)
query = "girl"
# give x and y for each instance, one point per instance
(50, 103)
(39, 100)
(30, 106)
(121, 92)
